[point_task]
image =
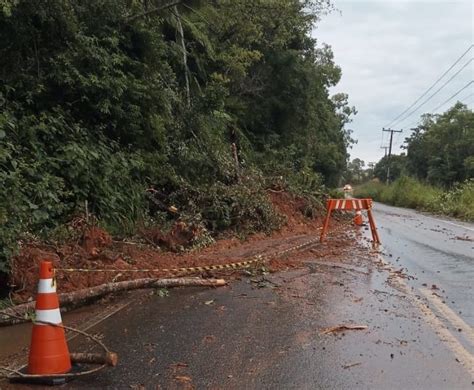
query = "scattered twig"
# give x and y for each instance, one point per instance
(339, 328)
(380, 292)
(352, 365)
(275, 191)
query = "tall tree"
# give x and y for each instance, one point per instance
(441, 149)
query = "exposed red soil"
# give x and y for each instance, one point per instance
(181, 235)
(93, 239)
(96, 250)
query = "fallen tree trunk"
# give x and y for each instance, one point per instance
(76, 298)
(109, 358)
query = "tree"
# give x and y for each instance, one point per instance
(103, 99)
(355, 171)
(440, 150)
(397, 167)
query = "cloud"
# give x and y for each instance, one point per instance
(390, 52)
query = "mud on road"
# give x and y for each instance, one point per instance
(278, 330)
(268, 332)
(94, 248)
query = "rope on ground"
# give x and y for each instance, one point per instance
(215, 267)
(245, 264)
(241, 264)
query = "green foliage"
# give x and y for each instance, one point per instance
(94, 108)
(355, 172)
(161, 292)
(409, 192)
(243, 208)
(441, 149)
(459, 201)
(440, 165)
(397, 167)
(403, 192)
(336, 193)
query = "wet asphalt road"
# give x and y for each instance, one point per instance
(264, 332)
(267, 335)
(435, 250)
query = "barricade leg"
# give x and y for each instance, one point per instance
(326, 224)
(373, 229)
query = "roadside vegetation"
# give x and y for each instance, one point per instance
(412, 193)
(437, 171)
(135, 115)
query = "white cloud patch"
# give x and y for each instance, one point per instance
(390, 52)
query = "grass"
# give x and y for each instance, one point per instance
(409, 192)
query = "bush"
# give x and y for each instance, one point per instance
(409, 192)
(372, 189)
(243, 208)
(459, 201)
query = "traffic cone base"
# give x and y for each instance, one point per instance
(47, 380)
(49, 353)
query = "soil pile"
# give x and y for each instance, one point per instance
(97, 250)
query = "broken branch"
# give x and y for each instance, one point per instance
(109, 358)
(76, 298)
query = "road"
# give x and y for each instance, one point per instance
(267, 331)
(435, 250)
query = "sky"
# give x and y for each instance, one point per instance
(390, 53)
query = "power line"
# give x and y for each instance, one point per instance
(453, 96)
(435, 93)
(467, 101)
(397, 141)
(432, 86)
(447, 100)
(466, 98)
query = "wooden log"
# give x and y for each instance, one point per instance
(79, 297)
(109, 358)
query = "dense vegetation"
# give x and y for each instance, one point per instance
(203, 102)
(440, 151)
(437, 171)
(409, 192)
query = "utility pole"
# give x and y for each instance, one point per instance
(384, 148)
(391, 131)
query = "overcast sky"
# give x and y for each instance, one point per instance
(390, 53)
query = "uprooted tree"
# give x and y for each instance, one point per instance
(201, 101)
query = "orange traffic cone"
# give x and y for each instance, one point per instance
(358, 218)
(49, 353)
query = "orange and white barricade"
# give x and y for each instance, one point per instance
(351, 204)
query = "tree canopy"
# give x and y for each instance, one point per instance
(440, 151)
(102, 99)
